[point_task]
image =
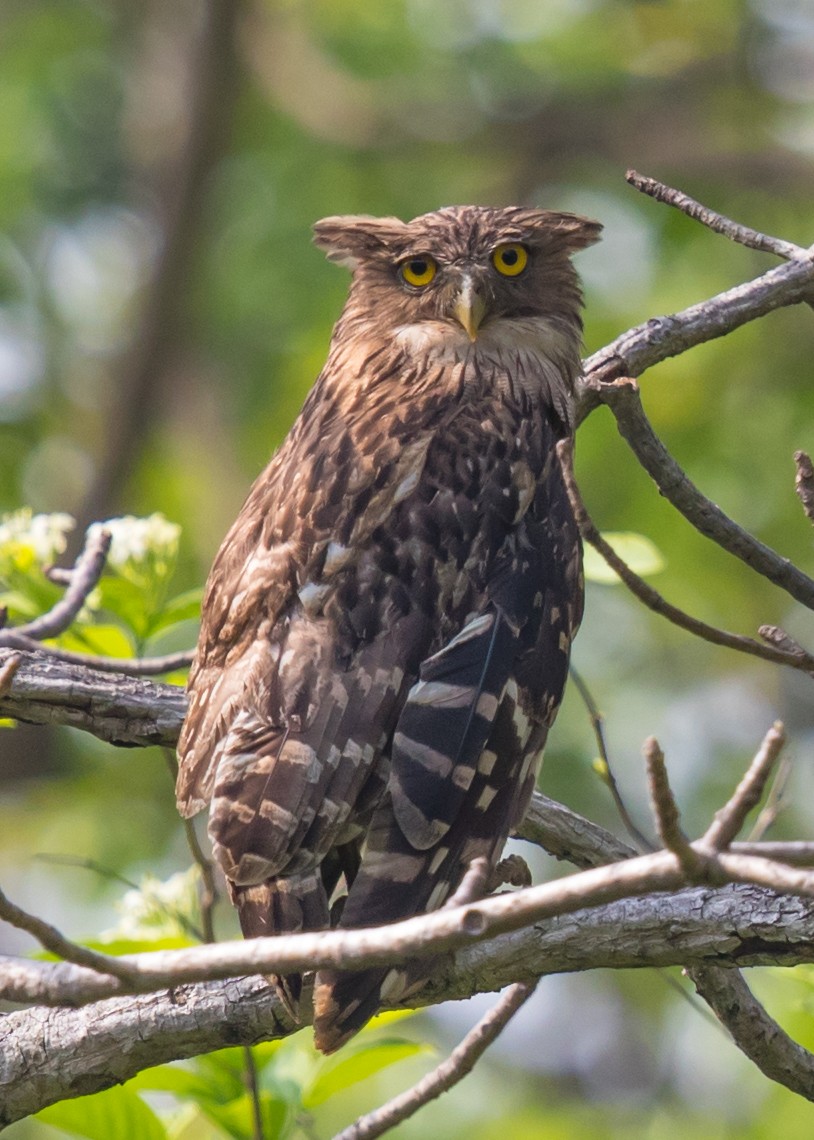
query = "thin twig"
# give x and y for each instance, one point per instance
(85, 575)
(607, 774)
(730, 819)
(665, 808)
(208, 895)
(743, 235)
(460, 1062)
(775, 800)
(623, 399)
(652, 598)
(253, 1089)
(804, 483)
(56, 943)
(132, 666)
(9, 668)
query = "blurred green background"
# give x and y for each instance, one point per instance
(163, 313)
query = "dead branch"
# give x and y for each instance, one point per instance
(641, 347)
(622, 397)
(652, 598)
(84, 577)
(743, 235)
(754, 1032)
(453, 1069)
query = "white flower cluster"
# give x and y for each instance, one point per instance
(158, 909)
(44, 535)
(136, 540)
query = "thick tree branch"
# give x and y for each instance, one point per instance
(113, 707)
(49, 1054)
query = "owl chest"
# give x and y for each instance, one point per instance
(477, 502)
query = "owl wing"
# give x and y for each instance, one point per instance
(466, 750)
(301, 669)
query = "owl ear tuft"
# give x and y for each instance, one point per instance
(350, 238)
(569, 232)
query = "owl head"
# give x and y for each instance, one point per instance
(466, 273)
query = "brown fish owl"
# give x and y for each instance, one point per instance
(386, 628)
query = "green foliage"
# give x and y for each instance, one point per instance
(128, 613)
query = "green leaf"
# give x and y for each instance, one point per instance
(116, 1112)
(184, 607)
(641, 555)
(105, 640)
(365, 1062)
(237, 1117)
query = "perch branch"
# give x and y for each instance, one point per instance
(641, 347)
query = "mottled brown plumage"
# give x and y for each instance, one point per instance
(386, 627)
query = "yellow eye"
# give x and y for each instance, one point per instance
(418, 271)
(510, 259)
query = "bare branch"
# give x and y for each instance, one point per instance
(130, 666)
(116, 708)
(84, 1050)
(804, 483)
(665, 809)
(754, 1032)
(52, 940)
(743, 235)
(607, 774)
(460, 1062)
(85, 575)
(652, 598)
(622, 397)
(569, 836)
(641, 347)
(730, 819)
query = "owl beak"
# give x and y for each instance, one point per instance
(469, 308)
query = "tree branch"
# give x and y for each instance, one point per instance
(49, 1054)
(641, 347)
(743, 235)
(452, 1069)
(796, 659)
(623, 399)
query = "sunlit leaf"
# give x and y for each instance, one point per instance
(640, 554)
(116, 1112)
(363, 1063)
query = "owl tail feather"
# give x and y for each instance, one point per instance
(344, 1002)
(282, 906)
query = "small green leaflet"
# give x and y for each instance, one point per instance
(641, 555)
